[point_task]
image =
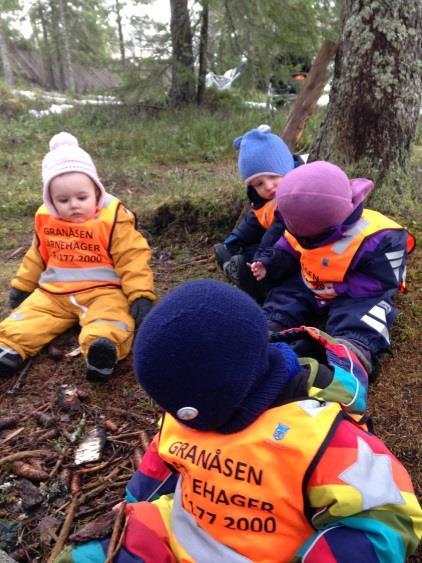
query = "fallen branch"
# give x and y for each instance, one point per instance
(21, 377)
(91, 494)
(23, 455)
(113, 546)
(12, 435)
(64, 532)
(59, 461)
(99, 508)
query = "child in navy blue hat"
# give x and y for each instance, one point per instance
(264, 159)
(255, 460)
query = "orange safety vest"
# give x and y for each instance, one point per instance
(266, 214)
(245, 491)
(325, 265)
(76, 255)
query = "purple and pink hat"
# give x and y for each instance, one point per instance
(319, 196)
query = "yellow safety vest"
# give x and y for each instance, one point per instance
(266, 214)
(76, 255)
(325, 265)
(242, 494)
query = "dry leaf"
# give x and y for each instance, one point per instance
(75, 484)
(110, 425)
(22, 469)
(98, 528)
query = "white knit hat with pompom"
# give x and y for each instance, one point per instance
(67, 156)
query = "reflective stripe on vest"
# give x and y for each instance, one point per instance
(77, 254)
(266, 214)
(245, 489)
(326, 265)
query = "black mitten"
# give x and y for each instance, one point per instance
(139, 309)
(16, 296)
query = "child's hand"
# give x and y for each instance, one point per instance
(259, 271)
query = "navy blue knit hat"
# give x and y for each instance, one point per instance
(202, 353)
(262, 152)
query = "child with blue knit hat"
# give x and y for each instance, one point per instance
(263, 161)
(256, 460)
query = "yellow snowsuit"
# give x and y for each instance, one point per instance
(109, 262)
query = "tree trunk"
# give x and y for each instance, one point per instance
(120, 30)
(308, 96)
(203, 48)
(7, 67)
(375, 97)
(182, 91)
(69, 76)
(56, 52)
(46, 51)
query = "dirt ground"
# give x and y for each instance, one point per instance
(46, 419)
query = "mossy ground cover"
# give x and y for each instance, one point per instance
(178, 172)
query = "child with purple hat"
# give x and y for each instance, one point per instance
(88, 265)
(335, 257)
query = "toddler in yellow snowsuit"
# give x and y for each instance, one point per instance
(87, 264)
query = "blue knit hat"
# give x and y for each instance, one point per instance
(202, 353)
(262, 152)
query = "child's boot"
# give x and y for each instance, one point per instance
(10, 362)
(101, 360)
(222, 254)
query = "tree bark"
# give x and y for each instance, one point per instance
(7, 67)
(69, 76)
(56, 48)
(375, 97)
(182, 91)
(47, 48)
(203, 48)
(120, 30)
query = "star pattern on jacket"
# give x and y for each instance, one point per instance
(372, 475)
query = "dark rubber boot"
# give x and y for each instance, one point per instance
(222, 254)
(101, 360)
(10, 362)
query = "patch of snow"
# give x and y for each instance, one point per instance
(55, 108)
(63, 102)
(259, 105)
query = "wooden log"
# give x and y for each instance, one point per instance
(309, 95)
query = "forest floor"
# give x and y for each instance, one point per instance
(53, 408)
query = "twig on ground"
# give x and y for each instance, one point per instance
(12, 435)
(117, 534)
(64, 532)
(100, 507)
(59, 461)
(18, 383)
(145, 441)
(23, 455)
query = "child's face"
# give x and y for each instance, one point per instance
(266, 185)
(74, 195)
